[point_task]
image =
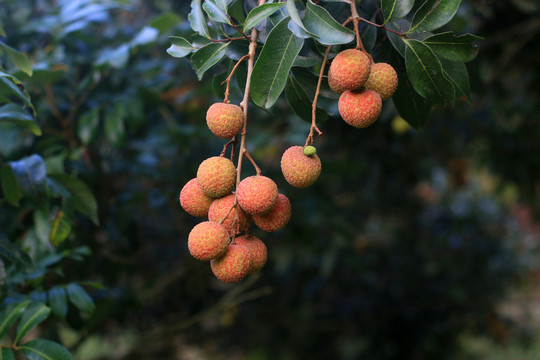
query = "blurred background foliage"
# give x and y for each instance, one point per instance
(411, 245)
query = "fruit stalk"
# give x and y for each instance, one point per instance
(309, 139)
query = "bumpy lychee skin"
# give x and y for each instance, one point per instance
(193, 200)
(349, 70)
(208, 240)
(216, 176)
(234, 265)
(224, 120)
(219, 209)
(258, 251)
(360, 109)
(277, 218)
(257, 194)
(383, 79)
(300, 170)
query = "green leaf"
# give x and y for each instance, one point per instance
(207, 56)
(31, 174)
(80, 298)
(259, 13)
(114, 125)
(300, 103)
(58, 301)
(83, 198)
(425, 73)
(395, 9)
(41, 349)
(397, 41)
(60, 228)
(6, 354)
(236, 10)
(2, 32)
(88, 126)
(318, 21)
(16, 114)
(34, 315)
(309, 81)
(165, 22)
(215, 13)
(272, 68)
(180, 47)
(10, 187)
(409, 105)
(11, 86)
(433, 14)
(454, 48)
(197, 19)
(116, 58)
(222, 4)
(145, 36)
(299, 30)
(10, 314)
(457, 73)
(18, 59)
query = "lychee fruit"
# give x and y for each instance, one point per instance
(219, 209)
(349, 70)
(234, 265)
(300, 170)
(193, 200)
(216, 176)
(360, 109)
(383, 79)
(258, 251)
(257, 194)
(225, 120)
(277, 218)
(208, 240)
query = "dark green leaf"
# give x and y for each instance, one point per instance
(305, 61)
(272, 68)
(2, 32)
(425, 73)
(318, 21)
(180, 47)
(395, 9)
(83, 198)
(41, 349)
(10, 314)
(222, 4)
(207, 56)
(145, 36)
(454, 48)
(259, 13)
(16, 114)
(88, 126)
(11, 86)
(215, 13)
(18, 59)
(80, 298)
(34, 315)
(60, 229)
(397, 41)
(236, 10)
(116, 58)
(433, 14)
(114, 125)
(409, 105)
(165, 22)
(10, 187)
(300, 103)
(31, 174)
(197, 20)
(6, 354)
(368, 34)
(309, 81)
(58, 301)
(302, 31)
(457, 73)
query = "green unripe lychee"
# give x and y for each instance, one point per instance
(360, 109)
(216, 176)
(225, 120)
(299, 169)
(277, 218)
(234, 265)
(349, 70)
(310, 150)
(257, 249)
(257, 194)
(208, 240)
(193, 200)
(219, 209)
(383, 79)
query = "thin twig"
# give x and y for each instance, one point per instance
(356, 18)
(313, 127)
(228, 79)
(257, 169)
(233, 141)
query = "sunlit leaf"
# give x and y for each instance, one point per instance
(207, 56)
(318, 21)
(259, 13)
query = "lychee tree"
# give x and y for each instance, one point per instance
(358, 54)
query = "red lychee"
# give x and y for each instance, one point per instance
(208, 240)
(360, 109)
(225, 120)
(219, 209)
(234, 265)
(383, 79)
(300, 170)
(258, 251)
(277, 218)
(216, 176)
(349, 70)
(257, 194)
(193, 200)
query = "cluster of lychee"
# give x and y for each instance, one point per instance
(363, 86)
(224, 239)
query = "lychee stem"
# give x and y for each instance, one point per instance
(233, 141)
(228, 79)
(309, 139)
(356, 18)
(257, 169)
